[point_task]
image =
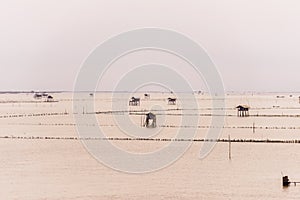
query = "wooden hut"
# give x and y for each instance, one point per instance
(37, 96)
(49, 98)
(243, 110)
(150, 121)
(134, 101)
(171, 101)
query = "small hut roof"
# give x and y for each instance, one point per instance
(151, 115)
(171, 98)
(243, 106)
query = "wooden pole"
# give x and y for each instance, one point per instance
(253, 128)
(229, 146)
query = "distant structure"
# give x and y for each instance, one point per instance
(171, 101)
(49, 98)
(38, 96)
(134, 101)
(150, 121)
(45, 94)
(243, 111)
(147, 96)
(285, 181)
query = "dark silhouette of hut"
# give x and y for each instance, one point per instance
(147, 96)
(150, 121)
(134, 101)
(37, 96)
(285, 181)
(171, 101)
(243, 110)
(50, 98)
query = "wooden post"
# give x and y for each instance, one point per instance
(142, 116)
(229, 146)
(253, 128)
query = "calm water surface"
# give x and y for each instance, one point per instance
(37, 169)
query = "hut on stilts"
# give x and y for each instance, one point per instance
(134, 101)
(243, 110)
(171, 101)
(150, 121)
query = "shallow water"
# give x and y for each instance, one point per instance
(63, 169)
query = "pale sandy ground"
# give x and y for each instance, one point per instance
(63, 169)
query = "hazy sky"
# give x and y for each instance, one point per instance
(255, 44)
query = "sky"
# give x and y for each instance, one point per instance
(254, 44)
